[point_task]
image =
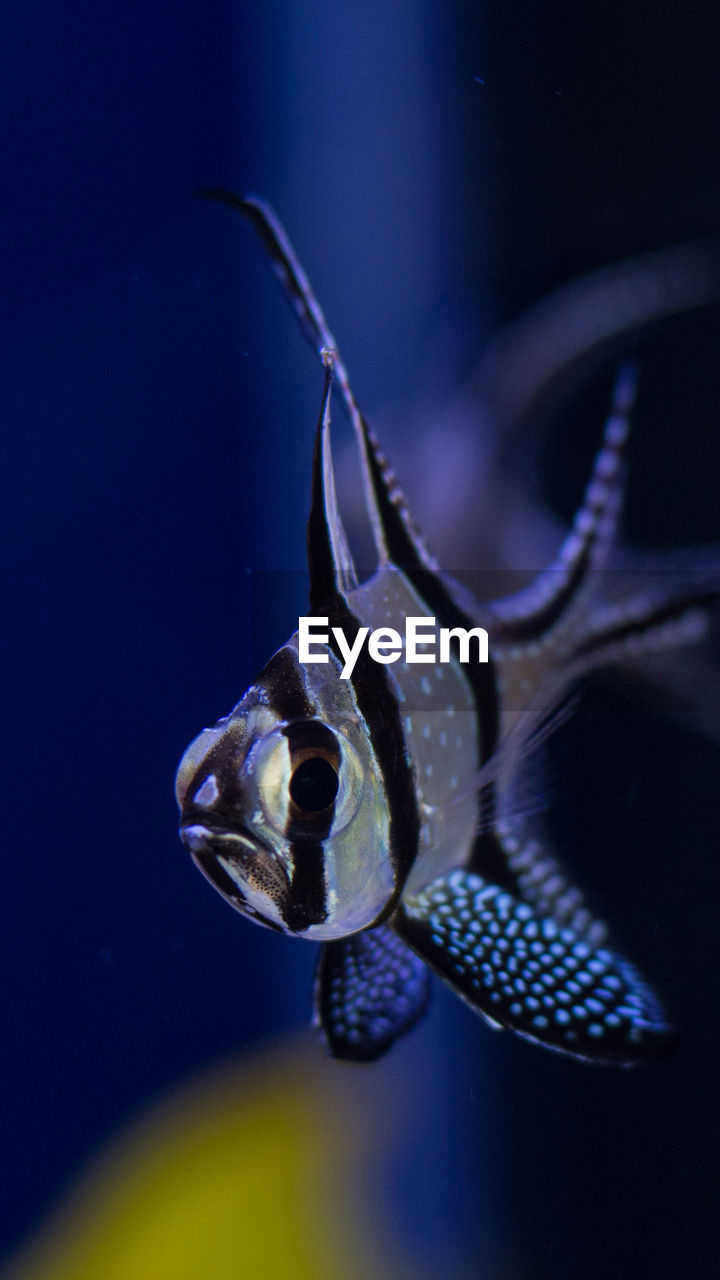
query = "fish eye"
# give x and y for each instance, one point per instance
(314, 785)
(303, 773)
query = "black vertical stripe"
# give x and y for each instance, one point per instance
(381, 711)
(306, 904)
(322, 564)
(481, 676)
(286, 692)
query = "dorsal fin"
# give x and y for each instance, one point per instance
(332, 573)
(395, 538)
(531, 613)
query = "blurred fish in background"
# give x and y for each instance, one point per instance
(440, 170)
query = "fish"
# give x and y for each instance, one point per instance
(378, 810)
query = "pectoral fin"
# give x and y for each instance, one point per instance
(533, 974)
(369, 989)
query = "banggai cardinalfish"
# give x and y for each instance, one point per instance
(372, 806)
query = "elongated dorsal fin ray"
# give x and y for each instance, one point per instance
(296, 286)
(394, 534)
(530, 614)
(332, 572)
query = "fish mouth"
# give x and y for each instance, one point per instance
(203, 838)
(249, 875)
(199, 837)
(194, 817)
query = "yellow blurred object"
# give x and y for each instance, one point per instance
(251, 1172)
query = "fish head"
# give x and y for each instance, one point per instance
(283, 808)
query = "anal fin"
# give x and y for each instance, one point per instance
(533, 974)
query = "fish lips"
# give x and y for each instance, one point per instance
(250, 876)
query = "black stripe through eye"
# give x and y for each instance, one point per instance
(308, 737)
(314, 785)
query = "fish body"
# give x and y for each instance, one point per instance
(378, 814)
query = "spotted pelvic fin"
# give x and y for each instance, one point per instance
(369, 989)
(533, 974)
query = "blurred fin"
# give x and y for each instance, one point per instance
(530, 614)
(586, 319)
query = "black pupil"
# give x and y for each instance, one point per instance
(314, 785)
